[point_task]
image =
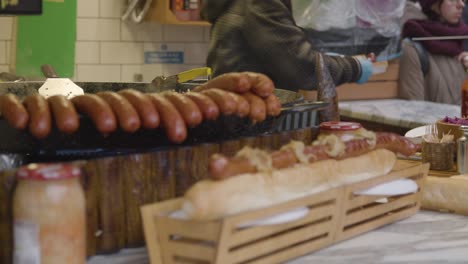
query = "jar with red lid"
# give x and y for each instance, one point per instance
(49, 214)
(344, 130)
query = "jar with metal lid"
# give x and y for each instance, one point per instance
(49, 214)
(344, 130)
(462, 151)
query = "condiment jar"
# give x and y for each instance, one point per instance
(344, 130)
(49, 214)
(462, 151)
(464, 96)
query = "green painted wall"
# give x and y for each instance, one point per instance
(47, 39)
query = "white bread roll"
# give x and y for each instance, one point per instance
(446, 194)
(209, 200)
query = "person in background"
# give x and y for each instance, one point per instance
(446, 60)
(262, 36)
(465, 19)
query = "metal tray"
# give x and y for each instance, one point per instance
(87, 142)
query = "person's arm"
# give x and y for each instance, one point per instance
(279, 43)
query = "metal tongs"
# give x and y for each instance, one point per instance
(163, 83)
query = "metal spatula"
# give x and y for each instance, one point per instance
(58, 86)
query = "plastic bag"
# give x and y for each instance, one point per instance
(382, 15)
(352, 27)
(324, 14)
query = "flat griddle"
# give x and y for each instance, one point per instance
(87, 142)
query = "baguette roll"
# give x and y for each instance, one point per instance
(446, 194)
(209, 200)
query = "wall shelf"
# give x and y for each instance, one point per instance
(160, 11)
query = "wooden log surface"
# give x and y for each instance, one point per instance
(7, 186)
(116, 187)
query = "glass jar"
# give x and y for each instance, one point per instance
(344, 130)
(49, 214)
(462, 151)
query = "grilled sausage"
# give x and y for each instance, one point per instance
(206, 105)
(221, 167)
(97, 110)
(64, 113)
(273, 105)
(243, 106)
(257, 107)
(256, 83)
(261, 85)
(148, 114)
(232, 82)
(227, 105)
(39, 113)
(171, 119)
(187, 108)
(128, 118)
(13, 111)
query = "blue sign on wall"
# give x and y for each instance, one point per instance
(164, 57)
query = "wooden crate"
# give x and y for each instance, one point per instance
(334, 215)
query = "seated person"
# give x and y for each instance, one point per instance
(447, 60)
(262, 36)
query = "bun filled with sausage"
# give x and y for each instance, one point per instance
(255, 178)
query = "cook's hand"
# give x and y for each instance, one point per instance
(241, 82)
(367, 69)
(463, 58)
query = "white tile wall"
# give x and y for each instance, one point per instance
(206, 37)
(121, 52)
(183, 33)
(97, 29)
(8, 52)
(98, 73)
(87, 52)
(3, 52)
(6, 27)
(4, 68)
(111, 8)
(163, 46)
(146, 31)
(108, 49)
(87, 8)
(148, 72)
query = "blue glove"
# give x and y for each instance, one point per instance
(366, 70)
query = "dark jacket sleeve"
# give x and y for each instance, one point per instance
(277, 41)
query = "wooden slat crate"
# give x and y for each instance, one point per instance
(334, 215)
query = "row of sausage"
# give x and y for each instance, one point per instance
(131, 110)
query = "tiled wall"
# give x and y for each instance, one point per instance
(6, 37)
(108, 49)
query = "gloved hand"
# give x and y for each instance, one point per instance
(365, 61)
(366, 69)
